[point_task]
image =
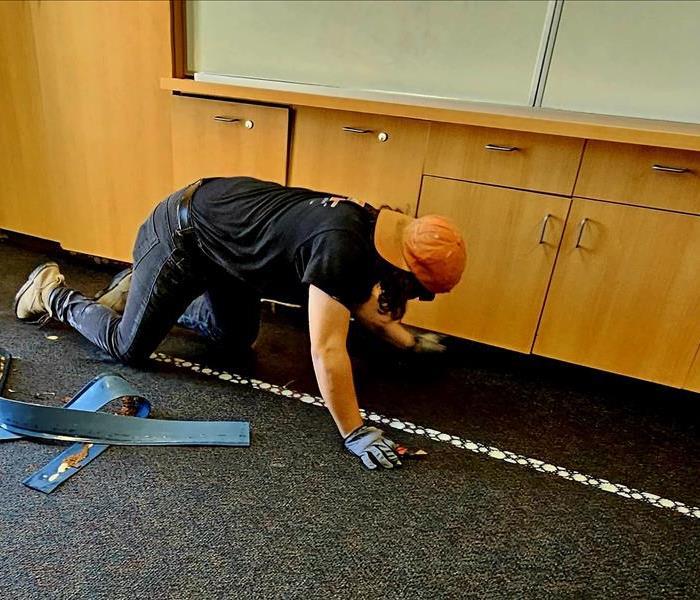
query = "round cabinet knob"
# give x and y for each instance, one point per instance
(249, 124)
(382, 136)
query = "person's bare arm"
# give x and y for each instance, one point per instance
(328, 330)
(393, 331)
(329, 321)
(383, 325)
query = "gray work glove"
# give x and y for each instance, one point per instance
(428, 342)
(370, 445)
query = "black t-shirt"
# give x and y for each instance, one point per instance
(279, 240)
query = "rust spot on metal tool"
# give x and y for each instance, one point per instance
(130, 405)
(74, 460)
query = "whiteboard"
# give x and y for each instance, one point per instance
(638, 59)
(479, 50)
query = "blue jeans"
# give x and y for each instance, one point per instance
(172, 281)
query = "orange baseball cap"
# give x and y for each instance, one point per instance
(431, 247)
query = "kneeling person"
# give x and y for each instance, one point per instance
(209, 252)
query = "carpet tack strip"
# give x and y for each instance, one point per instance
(618, 489)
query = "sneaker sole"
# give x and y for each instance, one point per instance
(27, 285)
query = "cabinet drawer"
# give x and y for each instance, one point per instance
(641, 175)
(213, 138)
(343, 153)
(516, 159)
(512, 239)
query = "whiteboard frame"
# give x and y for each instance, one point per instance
(545, 52)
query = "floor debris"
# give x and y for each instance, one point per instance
(411, 453)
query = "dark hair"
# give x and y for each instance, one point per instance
(396, 286)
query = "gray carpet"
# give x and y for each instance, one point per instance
(294, 517)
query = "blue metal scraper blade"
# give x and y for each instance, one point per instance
(93, 432)
(52, 423)
(97, 393)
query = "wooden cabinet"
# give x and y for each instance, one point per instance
(641, 175)
(625, 295)
(212, 138)
(371, 157)
(692, 382)
(531, 161)
(85, 126)
(512, 239)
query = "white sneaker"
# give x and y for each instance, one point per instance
(32, 299)
(115, 294)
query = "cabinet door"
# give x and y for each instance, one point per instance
(512, 239)
(371, 157)
(222, 139)
(692, 382)
(625, 296)
(23, 159)
(105, 141)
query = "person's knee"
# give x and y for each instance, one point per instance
(130, 356)
(128, 350)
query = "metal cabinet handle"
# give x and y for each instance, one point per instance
(356, 130)
(501, 148)
(544, 227)
(581, 226)
(382, 136)
(670, 169)
(248, 124)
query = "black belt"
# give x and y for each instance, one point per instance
(185, 228)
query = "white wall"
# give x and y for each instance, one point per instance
(628, 58)
(479, 50)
